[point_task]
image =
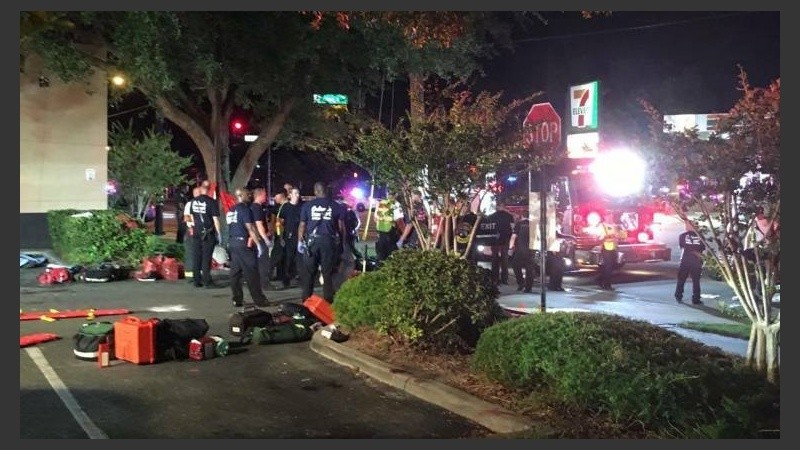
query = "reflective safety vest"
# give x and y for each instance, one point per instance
(384, 216)
(609, 237)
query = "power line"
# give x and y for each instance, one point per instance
(620, 30)
(129, 111)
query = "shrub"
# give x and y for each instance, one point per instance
(360, 301)
(632, 370)
(437, 301)
(98, 238)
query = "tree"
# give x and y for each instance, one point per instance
(200, 68)
(724, 182)
(447, 152)
(143, 167)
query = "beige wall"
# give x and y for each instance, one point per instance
(63, 133)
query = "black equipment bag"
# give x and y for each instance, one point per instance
(174, 335)
(241, 323)
(88, 338)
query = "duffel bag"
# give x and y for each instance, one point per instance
(299, 313)
(241, 323)
(281, 333)
(174, 335)
(89, 337)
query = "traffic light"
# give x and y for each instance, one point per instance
(238, 126)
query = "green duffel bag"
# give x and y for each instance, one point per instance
(281, 333)
(89, 337)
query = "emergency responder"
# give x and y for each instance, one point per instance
(505, 222)
(692, 248)
(246, 246)
(608, 252)
(259, 209)
(522, 256)
(289, 217)
(320, 241)
(205, 217)
(387, 212)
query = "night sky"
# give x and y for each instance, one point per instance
(681, 62)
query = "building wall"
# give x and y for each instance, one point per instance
(63, 137)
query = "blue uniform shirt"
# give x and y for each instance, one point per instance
(237, 218)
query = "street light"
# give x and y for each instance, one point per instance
(118, 80)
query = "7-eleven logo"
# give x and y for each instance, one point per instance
(583, 107)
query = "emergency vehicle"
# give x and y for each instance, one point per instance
(586, 191)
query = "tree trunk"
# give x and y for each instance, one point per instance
(269, 131)
(763, 350)
(416, 95)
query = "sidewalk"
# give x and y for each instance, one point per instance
(641, 301)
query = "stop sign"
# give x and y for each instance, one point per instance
(542, 127)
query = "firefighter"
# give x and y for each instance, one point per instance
(608, 252)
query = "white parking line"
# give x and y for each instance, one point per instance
(92, 430)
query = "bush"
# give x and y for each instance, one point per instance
(634, 371)
(99, 238)
(437, 301)
(360, 301)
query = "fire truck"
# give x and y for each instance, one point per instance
(611, 186)
(587, 191)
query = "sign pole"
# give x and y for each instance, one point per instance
(542, 238)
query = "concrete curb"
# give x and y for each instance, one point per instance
(494, 417)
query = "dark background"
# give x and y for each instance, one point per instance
(681, 62)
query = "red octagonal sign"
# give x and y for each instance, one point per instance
(542, 127)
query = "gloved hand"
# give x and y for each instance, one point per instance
(400, 243)
(301, 247)
(261, 248)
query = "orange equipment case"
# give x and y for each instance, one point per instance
(135, 340)
(320, 307)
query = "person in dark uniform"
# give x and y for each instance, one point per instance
(290, 218)
(319, 241)
(278, 252)
(522, 256)
(505, 222)
(206, 234)
(258, 207)
(691, 263)
(246, 246)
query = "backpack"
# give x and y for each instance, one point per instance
(351, 222)
(89, 337)
(174, 335)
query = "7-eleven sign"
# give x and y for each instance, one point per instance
(583, 105)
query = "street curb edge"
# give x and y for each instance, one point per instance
(494, 417)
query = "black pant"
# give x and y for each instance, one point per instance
(202, 252)
(500, 263)
(277, 256)
(523, 260)
(555, 271)
(244, 263)
(265, 269)
(289, 261)
(322, 255)
(386, 244)
(685, 270)
(608, 261)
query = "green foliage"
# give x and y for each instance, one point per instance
(361, 301)
(165, 246)
(437, 301)
(634, 371)
(144, 167)
(99, 238)
(737, 330)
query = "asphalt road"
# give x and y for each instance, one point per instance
(266, 391)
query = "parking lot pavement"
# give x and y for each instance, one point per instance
(257, 391)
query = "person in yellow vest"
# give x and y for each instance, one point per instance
(608, 252)
(387, 213)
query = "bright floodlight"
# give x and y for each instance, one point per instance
(619, 172)
(357, 192)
